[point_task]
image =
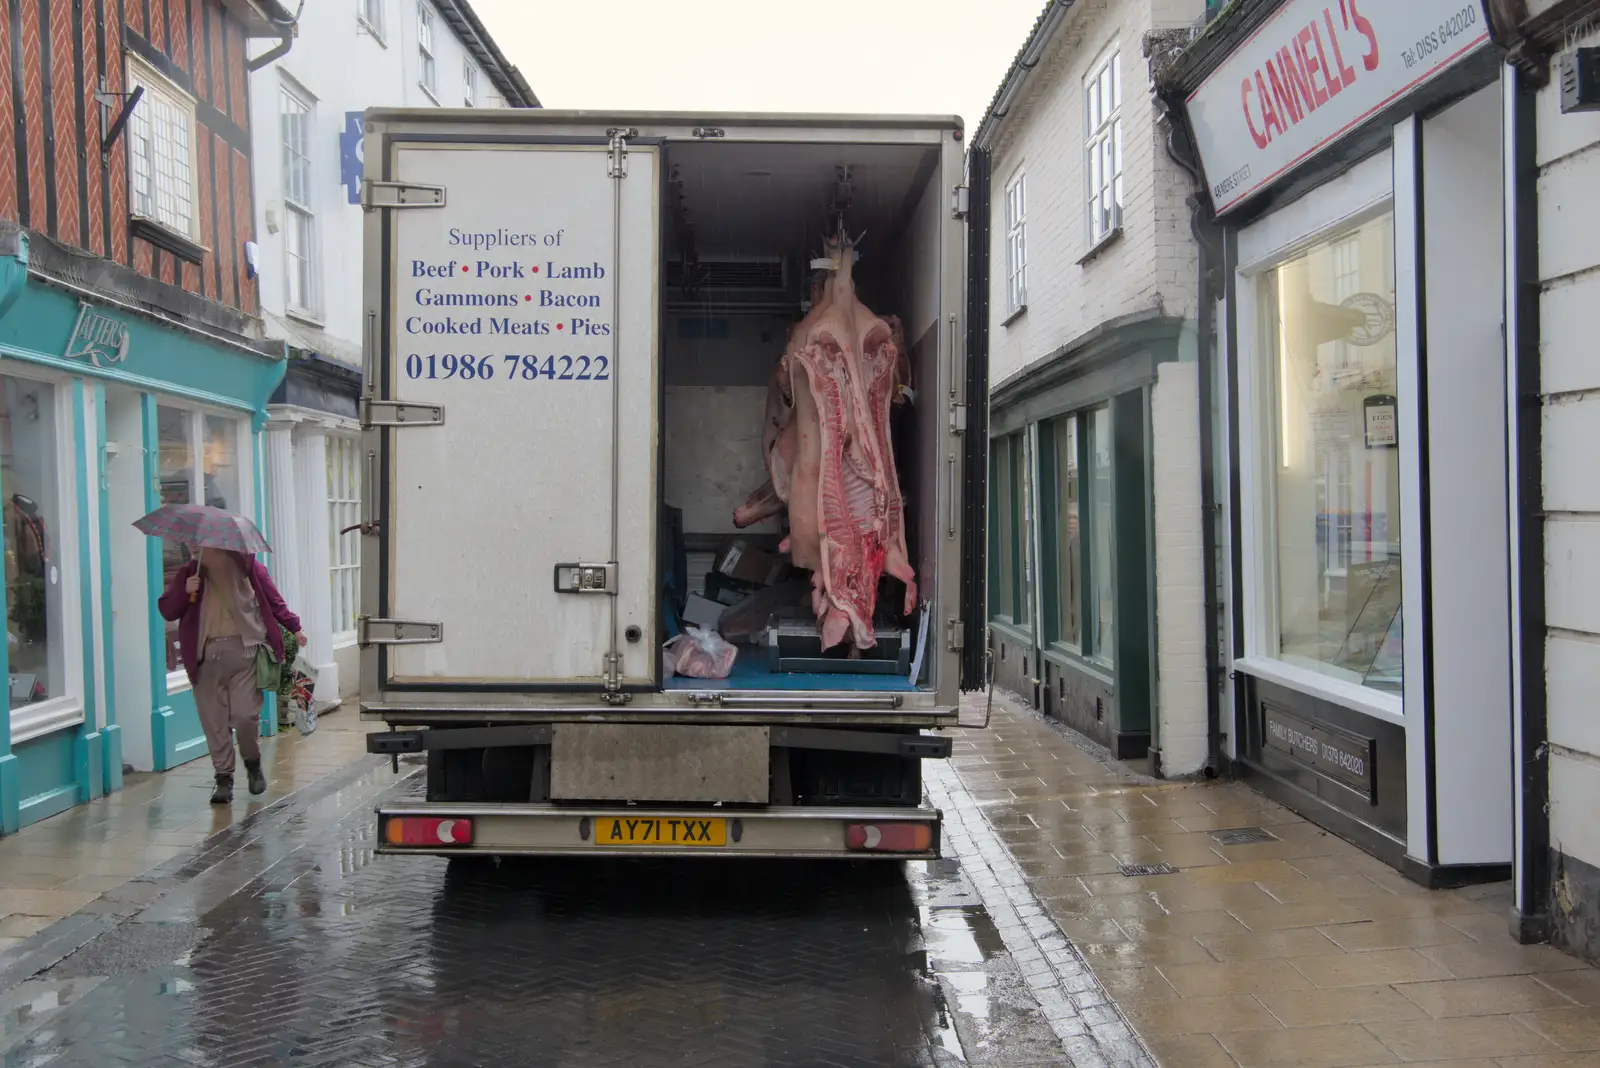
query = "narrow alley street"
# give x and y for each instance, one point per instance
(275, 937)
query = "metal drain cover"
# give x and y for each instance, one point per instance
(1243, 836)
(1134, 871)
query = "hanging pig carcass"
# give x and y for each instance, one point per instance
(829, 457)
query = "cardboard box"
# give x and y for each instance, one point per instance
(738, 559)
(702, 612)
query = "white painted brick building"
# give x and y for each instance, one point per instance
(1097, 596)
(348, 55)
(1568, 159)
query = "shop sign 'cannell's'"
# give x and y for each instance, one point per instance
(1314, 71)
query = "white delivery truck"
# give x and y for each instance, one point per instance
(573, 320)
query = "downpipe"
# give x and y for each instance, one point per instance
(1211, 265)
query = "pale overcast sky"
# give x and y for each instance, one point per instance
(929, 57)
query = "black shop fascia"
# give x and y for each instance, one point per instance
(1348, 157)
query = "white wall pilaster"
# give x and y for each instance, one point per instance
(283, 525)
(311, 490)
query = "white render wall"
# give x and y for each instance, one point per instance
(1153, 264)
(340, 66)
(1569, 270)
(1180, 571)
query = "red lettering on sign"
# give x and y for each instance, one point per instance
(1301, 42)
(1294, 78)
(1306, 72)
(1364, 28)
(1287, 104)
(1329, 75)
(1269, 114)
(1261, 139)
(1347, 73)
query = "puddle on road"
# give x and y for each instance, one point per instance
(960, 934)
(983, 1005)
(29, 1006)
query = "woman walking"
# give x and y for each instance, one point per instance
(227, 608)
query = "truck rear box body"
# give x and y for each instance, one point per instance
(572, 322)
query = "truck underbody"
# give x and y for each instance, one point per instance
(577, 788)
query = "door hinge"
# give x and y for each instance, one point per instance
(960, 202)
(375, 195)
(617, 164)
(397, 632)
(956, 635)
(614, 694)
(704, 132)
(398, 413)
(958, 418)
(586, 578)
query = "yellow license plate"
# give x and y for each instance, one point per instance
(660, 831)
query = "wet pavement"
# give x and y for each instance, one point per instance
(1053, 934)
(285, 941)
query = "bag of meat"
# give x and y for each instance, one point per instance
(701, 654)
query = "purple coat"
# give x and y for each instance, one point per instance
(175, 607)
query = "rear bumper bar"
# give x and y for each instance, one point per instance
(532, 829)
(917, 746)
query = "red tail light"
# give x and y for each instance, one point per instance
(427, 831)
(889, 837)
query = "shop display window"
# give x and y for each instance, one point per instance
(344, 544)
(34, 541)
(1102, 585)
(1011, 570)
(199, 462)
(1068, 538)
(1334, 450)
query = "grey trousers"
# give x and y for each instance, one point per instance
(228, 701)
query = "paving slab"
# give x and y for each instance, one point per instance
(1295, 949)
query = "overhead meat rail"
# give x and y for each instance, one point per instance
(590, 336)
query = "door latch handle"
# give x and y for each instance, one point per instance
(586, 578)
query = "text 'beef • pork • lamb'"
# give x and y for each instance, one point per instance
(829, 457)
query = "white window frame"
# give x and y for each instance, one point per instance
(1102, 153)
(427, 51)
(344, 575)
(370, 16)
(244, 453)
(1363, 193)
(161, 92)
(469, 82)
(300, 209)
(58, 713)
(1016, 219)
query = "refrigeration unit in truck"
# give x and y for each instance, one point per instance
(577, 328)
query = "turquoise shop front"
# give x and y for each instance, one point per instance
(108, 412)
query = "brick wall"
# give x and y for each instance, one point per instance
(1153, 264)
(52, 177)
(1180, 576)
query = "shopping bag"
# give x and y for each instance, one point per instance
(301, 698)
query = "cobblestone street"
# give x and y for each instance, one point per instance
(273, 936)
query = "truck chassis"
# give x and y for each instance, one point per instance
(829, 792)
